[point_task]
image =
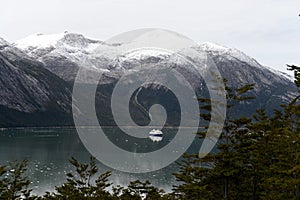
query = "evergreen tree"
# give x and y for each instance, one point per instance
(14, 184)
(138, 190)
(81, 185)
(217, 175)
(280, 145)
(256, 159)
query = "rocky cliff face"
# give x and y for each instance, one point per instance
(29, 90)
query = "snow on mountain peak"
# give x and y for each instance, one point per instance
(145, 53)
(216, 49)
(77, 40)
(65, 39)
(75, 43)
(209, 46)
(76, 47)
(3, 42)
(73, 46)
(39, 40)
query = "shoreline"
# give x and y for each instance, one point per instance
(74, 127)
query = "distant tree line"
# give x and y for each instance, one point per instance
(257, 158)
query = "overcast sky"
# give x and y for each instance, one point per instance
(268, 30)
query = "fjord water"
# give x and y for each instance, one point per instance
(49, 149)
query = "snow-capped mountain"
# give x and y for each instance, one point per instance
(62, 42)
(229, 53)
(29, 92)
(272, 87)
(62, 54)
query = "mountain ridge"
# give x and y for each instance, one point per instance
(75, 42)
(61, 55)
(29, 92)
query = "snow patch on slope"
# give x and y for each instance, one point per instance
(280, 73)
(64, 43)
(230, 53)
(145, 53)
(216, 49)
(39, 40)
(3, 42)
(75, 47)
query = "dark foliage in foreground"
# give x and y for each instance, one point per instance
(257, 158)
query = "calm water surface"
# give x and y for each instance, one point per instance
(49, 149)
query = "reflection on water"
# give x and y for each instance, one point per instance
(48, 151)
